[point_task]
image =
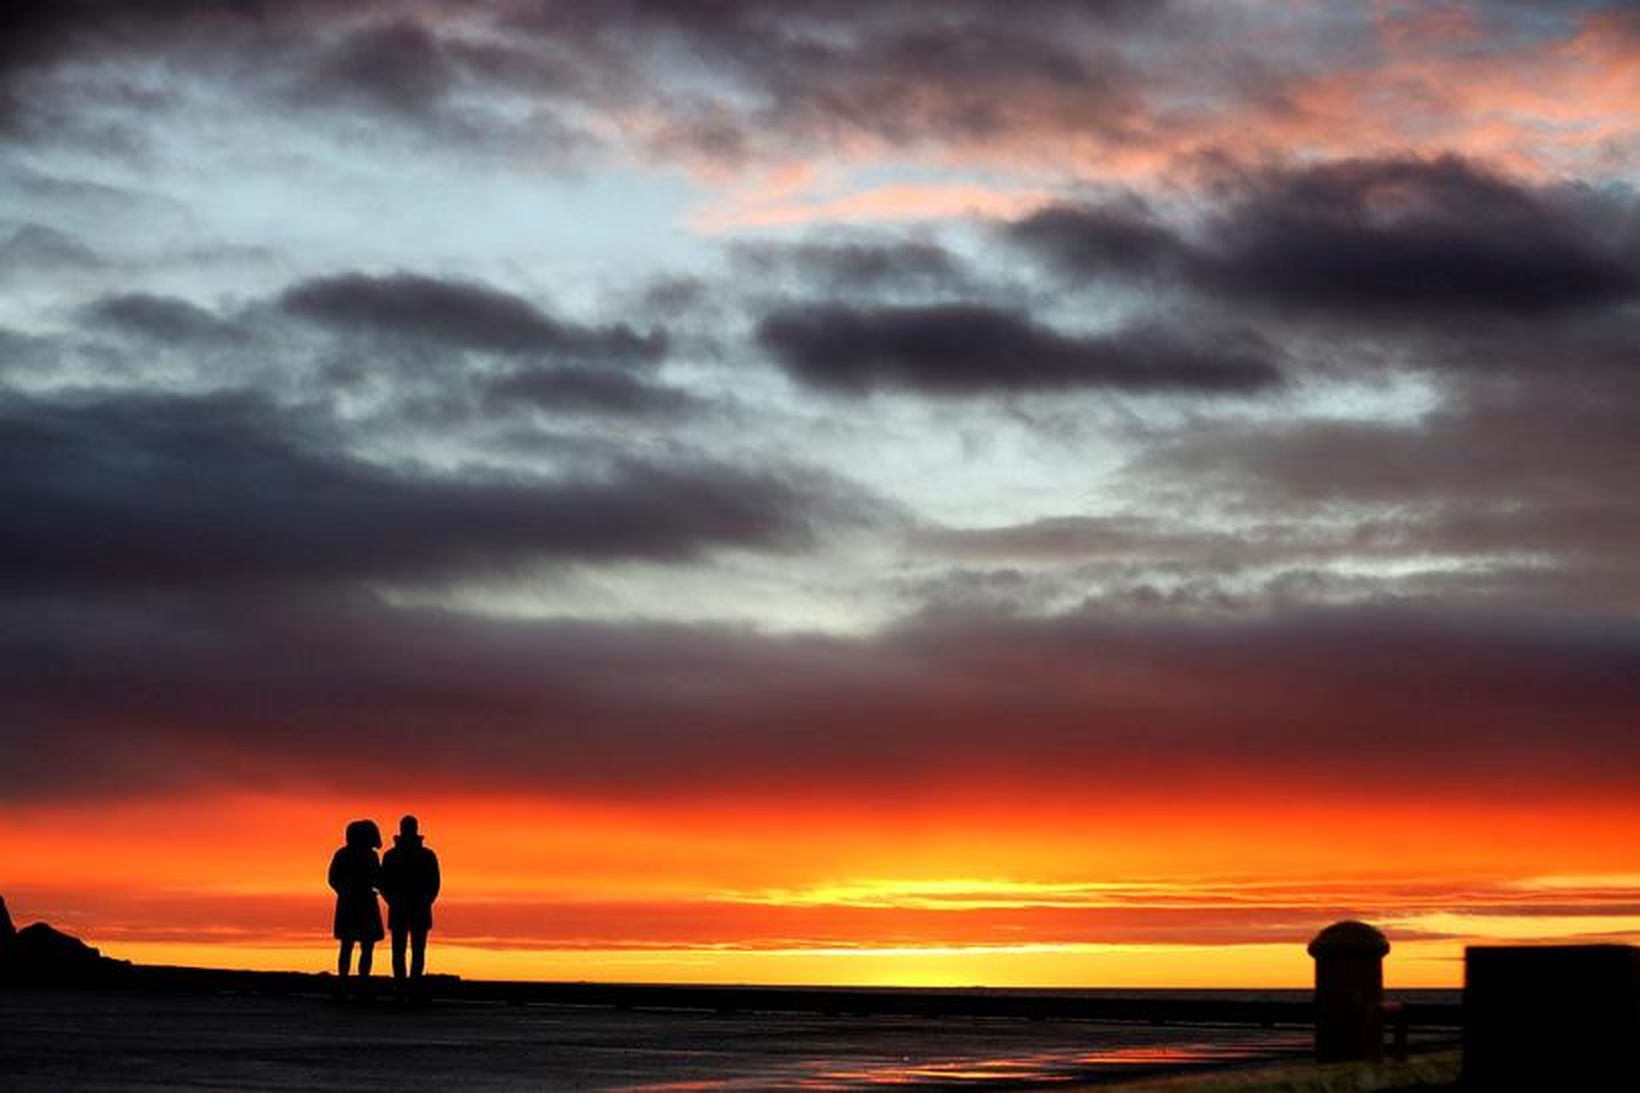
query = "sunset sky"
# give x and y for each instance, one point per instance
(1006, 493)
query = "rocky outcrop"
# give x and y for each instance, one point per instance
(41, 954)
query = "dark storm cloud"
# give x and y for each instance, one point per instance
(34, 248)
(972, 349)
(40, 34)
(1397, 237)
(460, 315)
(159, 318)
(1083, 703)
(814, 71)
(1413, 235)
(783, 73)
(1513, 443)
(227, 491)
(855, 267)
(586, 390)
(184, 575)
(1154, 542)
(374, 55)
(20, 353)
(1096, 241)
(740, 82)
(1527, 475)
(38, 31)
(376, 59)
(399, 66)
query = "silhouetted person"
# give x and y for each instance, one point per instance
(410, 884)
(355, 874)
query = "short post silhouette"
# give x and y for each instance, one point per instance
(1349, 992)
(410, 884)
(354, 875)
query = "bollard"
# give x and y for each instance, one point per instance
(1349, 992)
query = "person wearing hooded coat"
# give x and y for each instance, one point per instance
(410, 883)
(354, 875)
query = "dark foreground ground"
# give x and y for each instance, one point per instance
(107, 1039)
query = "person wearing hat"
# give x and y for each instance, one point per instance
(409, 883)
(354, 874)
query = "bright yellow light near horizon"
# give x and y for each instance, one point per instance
(1564, 882)
(1481, 927)
(1269, 966)
(968, 894)
(543, 890)
(959, 894)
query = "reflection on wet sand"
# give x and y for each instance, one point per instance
(1066, 1066)
(54, 1040)
(1128, 1051)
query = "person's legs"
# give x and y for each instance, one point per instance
(399, 938)
(418, 953)
(367, 954)
(344, 959)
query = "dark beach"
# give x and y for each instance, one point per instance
(245, 1039)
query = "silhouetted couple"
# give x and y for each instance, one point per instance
(407, 877)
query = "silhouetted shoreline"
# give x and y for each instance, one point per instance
(1426, 1008)
(42, 957)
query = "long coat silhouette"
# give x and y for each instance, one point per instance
(409, 881)
(355, 875)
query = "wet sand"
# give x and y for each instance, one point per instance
(52, 1040)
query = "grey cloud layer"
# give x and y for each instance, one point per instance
(193, 487)
(416, 330)
(957, 349)
(1369, 237)
(164, 319)
(763, 78)
(461, 315)
(1515, 306)
(1091, 703)
(856, 266)
(230, 492)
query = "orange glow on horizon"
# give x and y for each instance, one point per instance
(1089, 894)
